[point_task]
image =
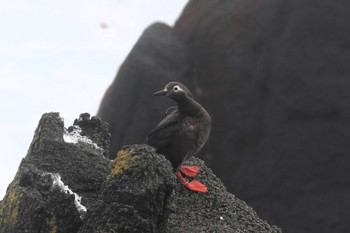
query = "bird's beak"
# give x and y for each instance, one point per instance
(160, 93)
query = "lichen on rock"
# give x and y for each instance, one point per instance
(52, 223)
(9, 209)
(123, 161)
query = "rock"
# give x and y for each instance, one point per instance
(65, 184)
(33, 204)
(216, 211)
(280, 133)
(128, 101)
(97, 131)
(142, 194)
(134, 196)
(37, 199)
(274, 77)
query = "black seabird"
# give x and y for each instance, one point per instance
(182, 133)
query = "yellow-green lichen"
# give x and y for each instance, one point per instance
(52, 223)
(122, 162)
(15, 210)
(9, 209)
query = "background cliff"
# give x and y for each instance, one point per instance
(65, 184)
(274, 76)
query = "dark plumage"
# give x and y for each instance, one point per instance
(183, 132)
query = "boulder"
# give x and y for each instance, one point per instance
(66, 184)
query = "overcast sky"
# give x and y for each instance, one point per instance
(61, 56)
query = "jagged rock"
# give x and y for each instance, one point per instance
(134, 196)
(32, 204)
(35, 201)
(274, 76)
(128, 101)
(65, 184)
(142, 194)
(94, 129)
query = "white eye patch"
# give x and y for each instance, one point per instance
(177, 88)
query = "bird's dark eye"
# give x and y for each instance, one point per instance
(176, 88)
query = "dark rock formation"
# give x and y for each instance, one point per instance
(36, 200)
(274, 76)
(65, 184)
(281, 129)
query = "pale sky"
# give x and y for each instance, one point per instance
(60, 56)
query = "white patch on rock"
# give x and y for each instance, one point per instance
(57, 181)
(221, 218)
(75, 137)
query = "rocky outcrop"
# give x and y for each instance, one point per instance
(274, 76)
(61, 166)
(65, 184)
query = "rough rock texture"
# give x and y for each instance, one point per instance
(281, 133)
(134, 196)
(274, 76)
(98, 135)
(32, 203)
(157, 58)
(137, 192)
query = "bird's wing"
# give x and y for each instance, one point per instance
(165, 130)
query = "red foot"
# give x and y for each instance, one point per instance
(197, 186)
(194, 185)
(190, 171)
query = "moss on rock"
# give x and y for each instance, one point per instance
(122, 162)
(9, 209)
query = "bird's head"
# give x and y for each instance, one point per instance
(175, 91)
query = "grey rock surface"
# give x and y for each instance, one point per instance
(280, 137)
(65, 184)
(58, 164)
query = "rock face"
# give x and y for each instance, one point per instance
(282, 126)
(37, 199)
(274, 76)
(65, 184)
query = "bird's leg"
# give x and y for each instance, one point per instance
(181, 178)
(190, 171)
